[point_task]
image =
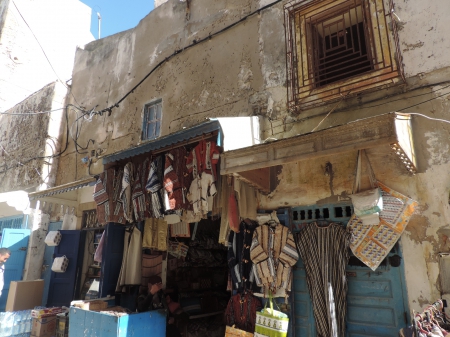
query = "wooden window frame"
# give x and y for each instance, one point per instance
(381, 39)
(149, 121)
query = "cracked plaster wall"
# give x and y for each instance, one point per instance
(241, 72)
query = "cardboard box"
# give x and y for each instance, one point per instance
(46, 312)
(90, 305)
(24, 295)
(44, 327)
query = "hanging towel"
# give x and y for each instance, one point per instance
(99, 251)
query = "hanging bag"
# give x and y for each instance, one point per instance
(270, 322)
(60, 264)
(366, 204)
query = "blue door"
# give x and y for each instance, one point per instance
(112, 258)
(63, 286)
(17, 241)
(47, 263)
(375, 300)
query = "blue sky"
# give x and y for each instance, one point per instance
(117, 15)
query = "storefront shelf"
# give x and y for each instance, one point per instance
(85, 323)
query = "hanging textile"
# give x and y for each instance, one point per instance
(201, 188)
(140, 199)
(130, 272)
(246, 199)
(371, 244)
(232, 209)
(176, 178)
(239, 262)
(324, 251)
(154, 187)
(106, 195)
(125, 193)
(155, 234)
(273, 253)
(224, 193)
(241, 311)
(203, 158)
(151, 265)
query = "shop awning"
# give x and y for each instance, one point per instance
(62, 188)
(253, 163)
(183, 136)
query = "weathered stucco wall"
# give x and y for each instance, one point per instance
(25, 136)
(58, 26)
(241, 72)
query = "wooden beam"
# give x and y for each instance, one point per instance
(259, 178)
(366, 133)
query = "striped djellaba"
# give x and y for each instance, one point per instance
(325, 253)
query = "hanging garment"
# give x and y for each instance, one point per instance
(273, 253)
(130, 272)
(232, 211)
(224, 193)
(201, 188)
(241, 311)
(140, 199)
(176, 178)
(154, 187)
(239, 262)
(324, 251)
(246, 199)
(125, 193)
(106, 195)
(99, 251)
(203, 158)
(155, 234)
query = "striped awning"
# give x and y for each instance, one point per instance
(62, 188)
(172, 139)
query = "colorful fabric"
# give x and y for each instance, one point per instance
(106, 195)
(273, 253)
(125, 193)
(324, 252)
(371, 244)
(140, 199)
(201, 188)
(241, 311)
(154, 187)
(155, 234)
(176, 178)
(203, 158)
(239, 262)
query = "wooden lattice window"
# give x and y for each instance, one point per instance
(338, 47)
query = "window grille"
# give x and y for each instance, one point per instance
(339, 47)
(151, 128)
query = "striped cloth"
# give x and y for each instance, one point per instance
(273, 253)
(325, 253)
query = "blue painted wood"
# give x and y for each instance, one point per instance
(17, 222)
(64, 286)
(17, 241)
(84, 323)
(47, 262)
(376, 301)
(112, 258)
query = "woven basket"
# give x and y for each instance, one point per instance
(233, 332)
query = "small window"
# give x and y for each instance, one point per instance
(339, 47)
(151, 128)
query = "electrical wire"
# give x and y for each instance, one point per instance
(194, 43)
(43, 51)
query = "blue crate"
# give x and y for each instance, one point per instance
(90, 323)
